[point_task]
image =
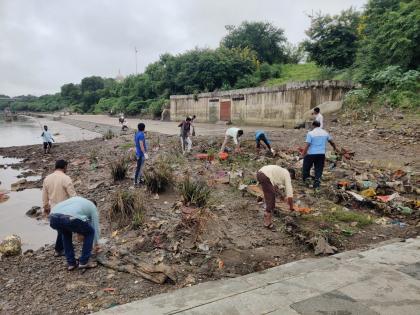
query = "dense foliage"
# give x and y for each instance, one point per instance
(265, 39)
(332, 39)
(378, 47)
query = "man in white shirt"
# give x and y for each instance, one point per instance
(318, 116)
(235, 134)
(272, 177)
(47, 140)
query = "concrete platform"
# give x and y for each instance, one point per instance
(383, 280)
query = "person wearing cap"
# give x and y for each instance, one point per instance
(314, 152)
(232, 133)
(272, 178)
(56, 188)
(318, 116)
(261, 136)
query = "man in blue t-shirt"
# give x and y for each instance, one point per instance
(261, 136)
(141, 152)
(314, 152)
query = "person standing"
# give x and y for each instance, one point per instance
(314, 152)
(186, 142)
(141, 152)
(77, 215)
(272, 177)
(232, 133)
(193, 125)
(56, 188)
(47, 140)
(261, 136)
(318, 116)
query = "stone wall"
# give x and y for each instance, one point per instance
(280, 106)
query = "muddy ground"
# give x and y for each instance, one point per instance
(184, 245)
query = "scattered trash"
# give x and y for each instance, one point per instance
(405, 210)
(368, 193)
(387, 198)
(223, 156)
(356, 196)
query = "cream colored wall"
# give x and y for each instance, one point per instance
(279, 106)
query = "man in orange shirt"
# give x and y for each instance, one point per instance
(57, 187)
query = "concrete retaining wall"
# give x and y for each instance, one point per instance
(280, 106)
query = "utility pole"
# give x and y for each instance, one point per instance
(135, 54)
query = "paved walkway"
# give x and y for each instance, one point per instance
(383, 280)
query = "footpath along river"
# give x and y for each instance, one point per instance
(13, 220)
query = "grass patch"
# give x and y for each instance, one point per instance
(296, 72)
(127, 145)
(127, 207)
(347, 216)
(159, 176)
(109, 135)
(194, 192)
(119, 168)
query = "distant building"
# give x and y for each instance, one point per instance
(119, 78)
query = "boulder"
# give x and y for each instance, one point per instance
(11, 246)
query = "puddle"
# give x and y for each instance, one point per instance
(13, 219)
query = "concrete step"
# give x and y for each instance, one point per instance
(383, 280)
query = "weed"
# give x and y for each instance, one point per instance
(93, 156)
(109, 134)
(341, 215)
(194, 192)
(119, 168)
(127, 145)
(159, 176)
(127, 207)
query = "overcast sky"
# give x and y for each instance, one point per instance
(47, 43)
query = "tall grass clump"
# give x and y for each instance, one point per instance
(119, 168)
(194, 192)
(159, 177)
(127, 208)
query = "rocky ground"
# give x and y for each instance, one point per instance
(177, 245)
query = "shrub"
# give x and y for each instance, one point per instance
(127, 207)
(119, 168)
(356, 98)
(194, 192)
(109, 135)
(159, 176)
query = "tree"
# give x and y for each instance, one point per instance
(389, 36)
(333, 39)
(264, 38)
(92, 84)
(71, 92)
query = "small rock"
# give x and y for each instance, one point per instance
(11, 246)
(33, 212)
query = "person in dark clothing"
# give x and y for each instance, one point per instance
(186, 142)
(314, 152)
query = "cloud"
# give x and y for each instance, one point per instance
(47, 43)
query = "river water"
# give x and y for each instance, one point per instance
(25, 131)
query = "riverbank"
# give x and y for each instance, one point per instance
(229, 239)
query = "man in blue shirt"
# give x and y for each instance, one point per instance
(261, 136)
(314, 152)
(141, 152)
(77, 215)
